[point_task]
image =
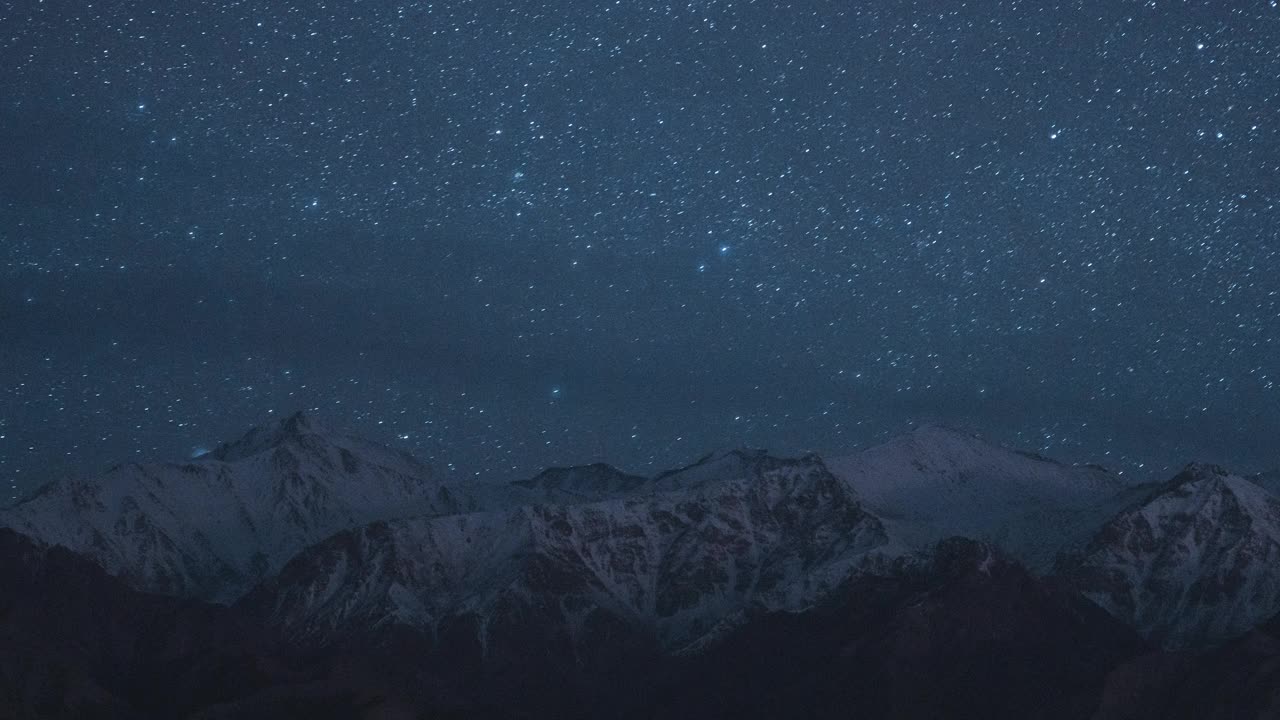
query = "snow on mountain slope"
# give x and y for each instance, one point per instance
(597, 482)
(213, 527)
(934, 483)
(712, 540)
(1197, 562)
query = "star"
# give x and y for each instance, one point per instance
(727, 221)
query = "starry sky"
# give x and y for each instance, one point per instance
(506, 235)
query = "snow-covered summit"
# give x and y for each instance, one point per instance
(1196, 561)
(304, 434)
(213, 527)
(342, 535)
(292, 428)
(936, 482)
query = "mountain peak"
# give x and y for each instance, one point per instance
(1193, 563)
(1202, 470)
(934, 482)
(735, 464)
(1194, 472)
(945, 438)
(214, 527)
(270, 435)
(735, 457)
(935, 428)
(558, 476)
(581, 483)
(298, 423)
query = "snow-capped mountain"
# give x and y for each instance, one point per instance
(934, 483)
(213, 527)
(588, 591)
(698, 546)
(1196, 562)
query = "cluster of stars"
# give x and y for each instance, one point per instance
(514, 235)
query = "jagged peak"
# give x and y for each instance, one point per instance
(1201, 469)
(270, 436)
(299, 423)
(718, 457)
(555, 476)
(1200, 478)
(1196, 472)
(937, 429)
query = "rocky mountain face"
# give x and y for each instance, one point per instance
(1195, 562)
(674, 563)
(213, 527)
(744, 583)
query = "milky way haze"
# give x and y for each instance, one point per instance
(509, 234)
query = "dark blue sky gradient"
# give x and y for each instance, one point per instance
(510, 234)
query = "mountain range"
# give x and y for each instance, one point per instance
(214, 527)
(301, 570)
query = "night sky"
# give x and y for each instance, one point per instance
(506, 235)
